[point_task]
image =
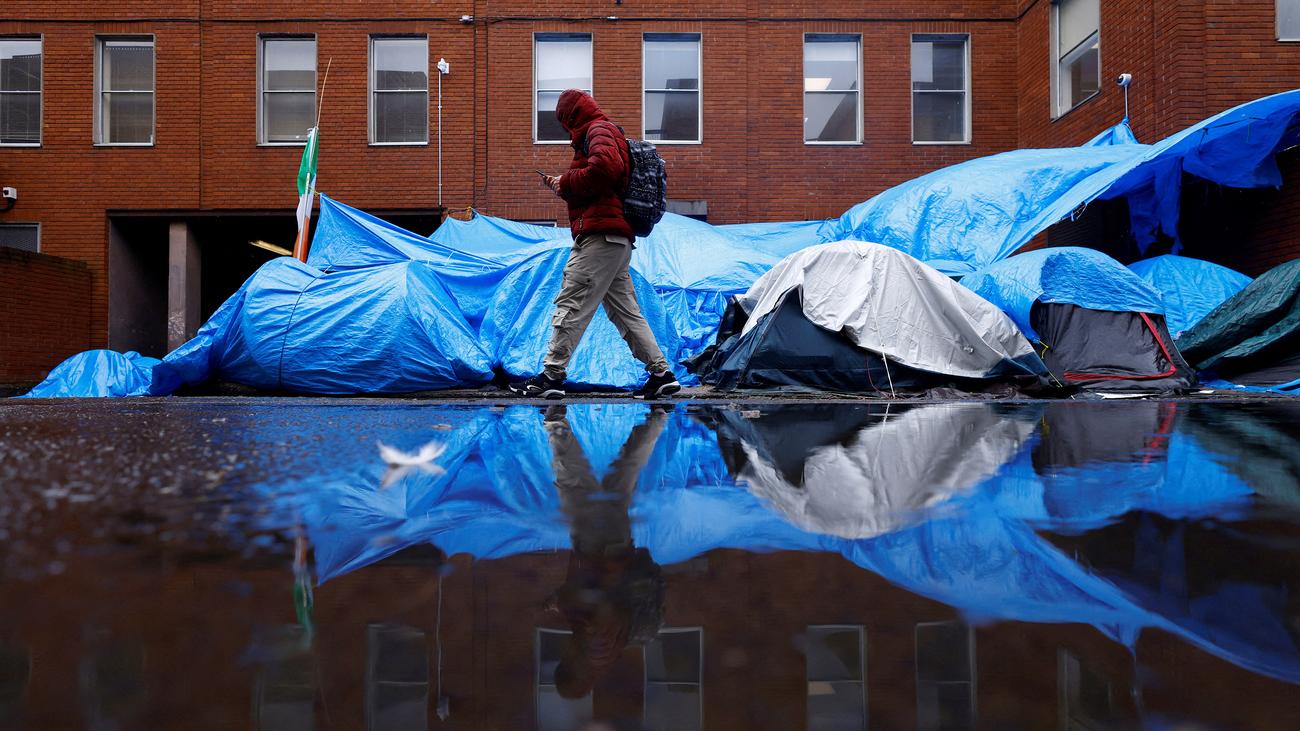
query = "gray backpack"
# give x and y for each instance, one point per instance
(646, 197)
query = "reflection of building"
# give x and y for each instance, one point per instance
(154, 140)
(753, 641)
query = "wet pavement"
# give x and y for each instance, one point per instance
(393, 564)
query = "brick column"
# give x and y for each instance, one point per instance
(182, 285)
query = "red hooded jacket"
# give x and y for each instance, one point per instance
(594, 184)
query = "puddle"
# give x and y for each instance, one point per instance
(302, 564)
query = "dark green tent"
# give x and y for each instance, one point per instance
(1254, 337)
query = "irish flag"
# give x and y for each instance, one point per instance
(306, 196)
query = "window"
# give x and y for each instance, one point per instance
(25, 236)
(832, 66)
(286, 90)
(1288, 20)
(284, 694)
(560, 61)
(940, 89)
(397, 677)
(124, 84)
(399, 91)
(1086, 698)
(673, 675)
(945, 675)
(837, 699)
(555, 712)
(1076, 40)
(20, 91)
(671, 64)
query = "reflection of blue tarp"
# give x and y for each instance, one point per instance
(1069, 275)
(980, 552)
(1190, 288)
(970, 215)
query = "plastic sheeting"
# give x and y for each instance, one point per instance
(889, 303)
(99, 373)
(1190, 288)
(1068, 275)
(978, 549)
(1253, 331)
(965, 217)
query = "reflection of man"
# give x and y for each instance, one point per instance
(613, 594)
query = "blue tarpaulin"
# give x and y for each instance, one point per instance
(1190, 288)
(1069, 275)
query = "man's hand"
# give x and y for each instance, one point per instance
(552, 182)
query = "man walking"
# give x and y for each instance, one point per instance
(602, 247)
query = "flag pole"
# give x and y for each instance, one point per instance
(307, 176)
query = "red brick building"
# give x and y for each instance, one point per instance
(152, 141)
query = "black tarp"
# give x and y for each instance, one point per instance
(1109, 351)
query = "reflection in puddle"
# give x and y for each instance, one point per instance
(773, 566)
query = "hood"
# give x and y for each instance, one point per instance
(576, 110)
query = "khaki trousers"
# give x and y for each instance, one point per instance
(597, 274)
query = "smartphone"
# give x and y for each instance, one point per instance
(539, 172)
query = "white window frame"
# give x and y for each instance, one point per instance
(1277, 22)
(966, 90)
(591, 39)
(698, 91)
(699, 673)
(862, 660)
(970, 656)
(1057, 60)
(40, 109)
(373, 91)
(101, 134)
(17, 224)
(373, 666)
(803, 89)
(262, 38)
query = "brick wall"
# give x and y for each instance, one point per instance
(43, 313)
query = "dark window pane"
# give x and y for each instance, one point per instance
(672, 115)
(939, 65)
(673, 657)
(672, 65)
(289, 116)
(830, 66)
(563, 64)
(399, 706)
(128, 117)
(20, 118)
(830, 117)
(25, 236)
(834, 653)
(20, 65)
(555, 713)
(939, 117)
(943, 652)
(289, 65)
(127, 66)
(672, 707)
(401, 64)
(548, 127)
(399, 654)
(1085, 75)
(836, 706)
(550, 648)
(402, 116)
(944, 707)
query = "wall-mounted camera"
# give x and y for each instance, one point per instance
(9, 194)
(1124, 79)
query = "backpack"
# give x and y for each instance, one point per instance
(646, 196)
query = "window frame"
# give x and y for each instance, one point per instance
(555, 36)
(40, 107)
(968, 135)
(698, 630)
(1277, 24)
(537, 672)
(1058, 59)
(262, 38)
(972, 665)
(24, 224)
(100, 133)
(698, 91)
(862, 666)
(803, 87)
(374, 91)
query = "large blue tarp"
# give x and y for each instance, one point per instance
(962, 218)
(1190, 288)
(1069, 275)
(982, 551)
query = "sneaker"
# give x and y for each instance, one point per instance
(659, 384)
(539, 386)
